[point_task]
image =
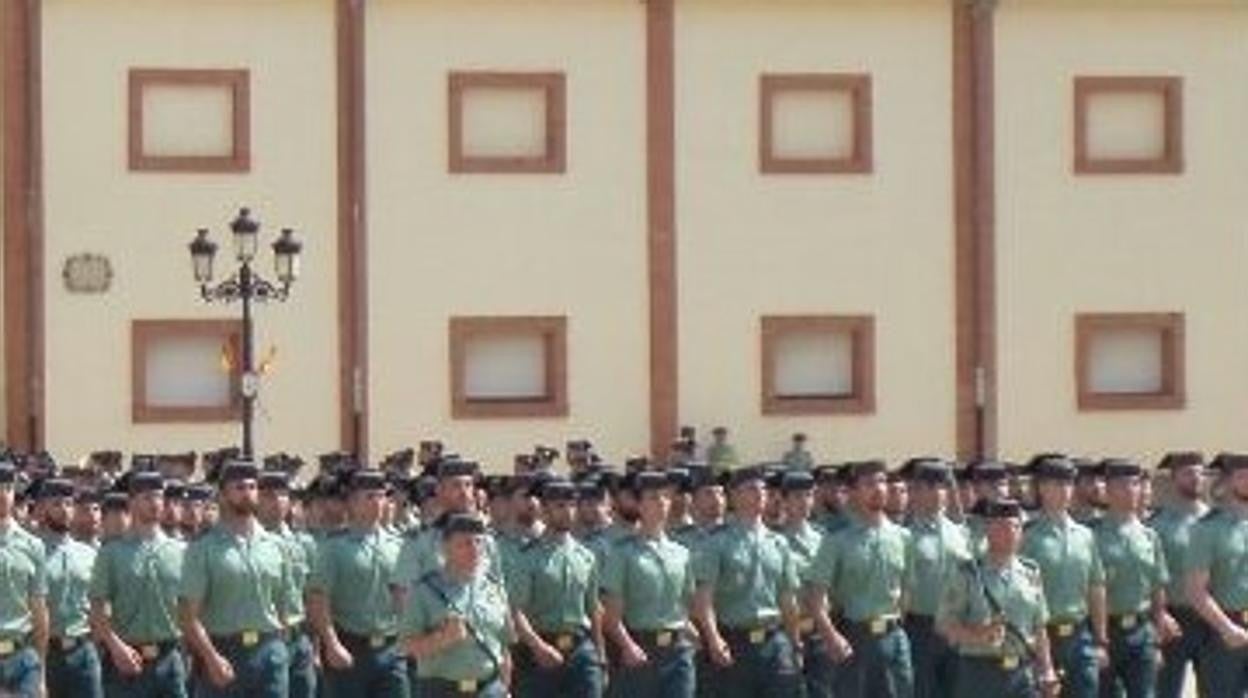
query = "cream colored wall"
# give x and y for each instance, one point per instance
(1068, 244)
(143, 221)
(442, 245)
(882, 244)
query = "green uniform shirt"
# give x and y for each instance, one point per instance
(653, 581)
(1174, 527)
(421, 553)
(241, 582)
(832, 521)
(1015, 587)
(140, 579)
(862, 568)
(300, 550)
(69, 564)
(481, 603)
(1220, 548)
(556, 584)
(803, 543)
(511, 546)
(23, 574)
(937, 545)
(353, 570)
(749, 569)
(1134, 561)
(798, 458)
(1069, 563)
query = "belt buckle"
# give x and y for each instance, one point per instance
(251, 638)
(564, 642)
(663, 639)
(1065, 629)
(757, 636)
(376, 641)
(467, 686)
(1009, 663)
(7, 647)
(1128, 621)
(149, 652)
(878, 626)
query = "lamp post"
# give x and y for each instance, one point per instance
(246, 286)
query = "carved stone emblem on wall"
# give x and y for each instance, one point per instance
(87, 273)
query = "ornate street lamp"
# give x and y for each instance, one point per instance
(246, 286)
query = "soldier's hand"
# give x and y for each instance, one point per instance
(1168, 629)
(992, 634)
(546, 656)
(838, 649)
(220, 671)
(1102, 657)
(1235, 638)
(127, 660)
(632, 656)
(720, 654)
(454, 630)
(338, 657)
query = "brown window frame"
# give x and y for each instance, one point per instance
(554, 331)
(143, 333)
(1172, 326)
(861, 329)
(552, 84)
(859, 87)
(1170, 88)
(239, 84)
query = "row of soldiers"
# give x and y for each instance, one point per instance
(683, 581)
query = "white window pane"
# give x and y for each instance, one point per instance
(188, 120)
(1126, 125)
(187, 372)
(812, 124)
(1126, 361)
(501, 368)
(503, 122)
(814, 364)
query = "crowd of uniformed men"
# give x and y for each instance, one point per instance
(695, 576)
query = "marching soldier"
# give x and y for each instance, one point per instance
(1074, 581)
(554, 600)
(350, 603)
(833, 498)
(720, 455)
(73, 663)
(134, 590)
(1089, 500)
(85, 524)
(861, 569)
(937, 546)
(1174, 524)
(647, 588)
(114, 516)
(193, 519)
(993, 612)
(234, 582)
(456, 624)
(746, 599)
(525, 524)
(1136, 576)
(706, 508)
(804, 540)
(300, 549)
(23, 598)
(593, 512)
(1217, 584)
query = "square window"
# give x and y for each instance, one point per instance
(816, 123)
(185, 370)
(818, 364)
(189, 120)
(1128, 125)
(507, 122)
(508, 367)
(1129, 361)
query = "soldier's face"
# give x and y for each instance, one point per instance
(927, 497)
(456, 493)
(56, 513)
(146, 507)
(87, 518)
(1056, 494)
(748, 498)
(708, 503)
(797, 505)
(653, 507)
(871, 491)
(1239, 484)
(1004, 536)
(1123, 494)
(463, 551)
(1189, 481)
(274, 505)
(6, 500)
(559, 515)
(241, 496)
(367, 506)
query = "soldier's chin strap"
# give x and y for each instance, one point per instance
(994, 606)
(472, 631)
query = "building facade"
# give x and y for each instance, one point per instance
(956, 227)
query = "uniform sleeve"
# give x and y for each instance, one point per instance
(613, 575)
(1042, 604)
(1200, 551)
(1161, 570)
(194, 585)
(101, 575)
(39, 580)
(595, 582)
(404, 568)
(789, 583)
(1096, 573)
(706, 562)
(519, 581)
(690, 582)
(951, 606)
(822, 569)
(321, 578)
(415, 618)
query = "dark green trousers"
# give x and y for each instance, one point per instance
(987, 677)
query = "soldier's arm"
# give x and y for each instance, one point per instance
(194, 633)
(323, 623)
(39, 626)
(613, 623)
(526, 634)
(1097, 613)
(1045, 675)
(1197, 587)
